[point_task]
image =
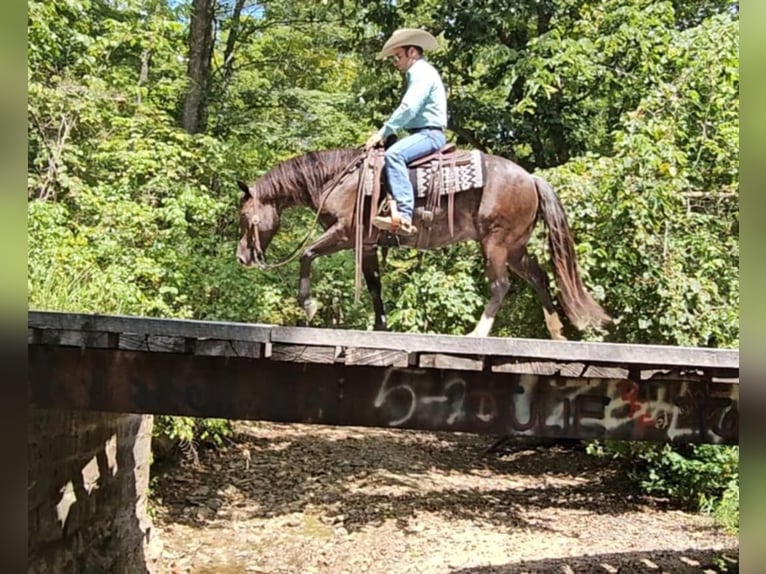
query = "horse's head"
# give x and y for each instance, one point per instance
(258, 222)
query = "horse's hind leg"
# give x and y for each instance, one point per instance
(371, 271)
(527, 267)
(496, 270)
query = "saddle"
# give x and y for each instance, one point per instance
(448, 151)
(443, 172)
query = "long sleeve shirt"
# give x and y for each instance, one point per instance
(424, 103)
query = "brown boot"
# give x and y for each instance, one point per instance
(385, 222)
(407, 229)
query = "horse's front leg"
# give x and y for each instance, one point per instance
(371, 271)
(332, 240)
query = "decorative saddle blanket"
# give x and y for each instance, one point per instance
(452, 172)
(459, 171)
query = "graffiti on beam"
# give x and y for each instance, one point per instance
(534, 405)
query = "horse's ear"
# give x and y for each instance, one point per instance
(243, 186)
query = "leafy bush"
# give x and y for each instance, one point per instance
(184, 435)
(191, 429)
(726, 509)
(703, 477)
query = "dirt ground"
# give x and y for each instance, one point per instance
(329, 500)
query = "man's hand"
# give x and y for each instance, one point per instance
(372, 141)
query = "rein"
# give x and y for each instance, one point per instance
(362, 155)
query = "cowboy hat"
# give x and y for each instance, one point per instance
(407, 37)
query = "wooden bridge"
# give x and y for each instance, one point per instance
(342, 377)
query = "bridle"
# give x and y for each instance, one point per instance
(254, 239)
(254, 245)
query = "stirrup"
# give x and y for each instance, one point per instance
(402, 227)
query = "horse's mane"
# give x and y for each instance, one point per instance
(302, 174)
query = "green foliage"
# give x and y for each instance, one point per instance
(643, 241)
(190, 430)
(631, 107)
(434, 292)
(726, 508)
(703, 477)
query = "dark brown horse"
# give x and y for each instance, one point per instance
(500, 216)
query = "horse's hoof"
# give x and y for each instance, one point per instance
(310, 308)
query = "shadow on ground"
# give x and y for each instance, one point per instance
(677, 562)
(286, 473)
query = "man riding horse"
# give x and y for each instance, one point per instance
(499, 210)
(422, 113)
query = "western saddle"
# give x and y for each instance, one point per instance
(447, 157)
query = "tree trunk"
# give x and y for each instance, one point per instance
(198, 70)
(231, 40)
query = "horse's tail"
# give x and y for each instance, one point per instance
(577, 303)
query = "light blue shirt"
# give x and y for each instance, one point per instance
(424, 103)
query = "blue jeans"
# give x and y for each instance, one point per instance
(399, 155)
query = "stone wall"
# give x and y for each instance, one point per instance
(87, 492)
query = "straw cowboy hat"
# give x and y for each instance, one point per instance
(407, 37)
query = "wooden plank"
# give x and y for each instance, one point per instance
(376, 357)
(441, 361)
(221, 348)
(572, 370)
(548, 368)
(151, 326)
(593, 372)
(525, 367)
(603, 354)
(72, 338)
(649, 374)
(155, 343)
(304, 354)
(561, 351)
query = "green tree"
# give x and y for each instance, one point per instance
(658, 219)
(630, 108)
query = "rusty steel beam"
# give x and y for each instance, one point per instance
(336, 394)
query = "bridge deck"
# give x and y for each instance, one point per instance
(493, 385)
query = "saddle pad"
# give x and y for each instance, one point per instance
(464, 172)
